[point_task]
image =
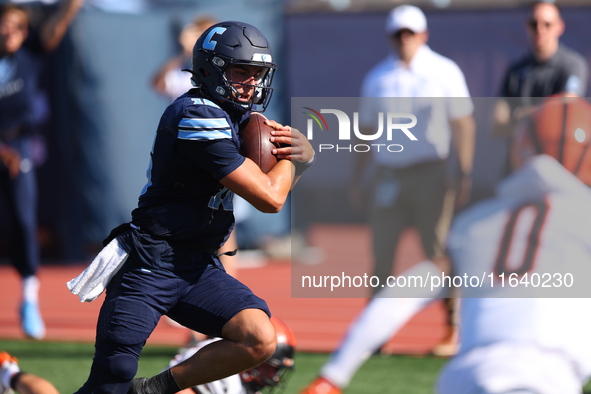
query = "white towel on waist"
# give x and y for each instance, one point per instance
(94, 279)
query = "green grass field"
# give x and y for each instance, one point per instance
(67, 365)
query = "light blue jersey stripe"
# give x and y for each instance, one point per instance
(204, 135)
(204, 123)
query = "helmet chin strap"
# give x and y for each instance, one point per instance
(234, 92)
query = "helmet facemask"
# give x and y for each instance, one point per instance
(273, 374)
(246, 86)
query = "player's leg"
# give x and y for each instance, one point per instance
(249, 339)
(11, 377)
(382, 318)
(220, 306)
(230, 264)
(24, 249)
(113, 368)
(365, 336)
(137, 296)
(433, 212)
(387, 221)
(27, 383)
(432, 207)
(450, 343)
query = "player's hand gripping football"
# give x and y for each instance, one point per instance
(296, 146)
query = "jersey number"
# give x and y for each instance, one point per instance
(519, 223)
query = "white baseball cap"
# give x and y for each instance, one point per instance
(406, 17)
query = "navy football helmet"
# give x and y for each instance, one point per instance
(218, 51)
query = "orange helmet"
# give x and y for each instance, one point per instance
(561, 128)
(274, 370)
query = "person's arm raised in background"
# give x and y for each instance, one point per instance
(55, 27)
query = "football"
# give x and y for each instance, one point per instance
(256, 143)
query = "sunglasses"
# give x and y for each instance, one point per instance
(533, 24)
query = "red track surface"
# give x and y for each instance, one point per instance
(318, 323)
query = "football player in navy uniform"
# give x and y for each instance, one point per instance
(185, 214)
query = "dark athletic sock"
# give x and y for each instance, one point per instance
(162, 383)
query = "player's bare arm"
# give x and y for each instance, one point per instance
(56, 26)
(266, 192)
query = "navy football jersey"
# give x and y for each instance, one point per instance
(19, 92)
(196, 145)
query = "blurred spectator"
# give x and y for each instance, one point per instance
(22, 110)
(408, 188)
(412, 188)
(121, 6)
(548, 68)
(170, 80)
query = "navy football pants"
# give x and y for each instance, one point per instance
(189, 286)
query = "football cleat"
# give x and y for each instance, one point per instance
(31, 320)
(8, 367)
(321, 386)
(139, 386)
(136, 386)
(449, 346)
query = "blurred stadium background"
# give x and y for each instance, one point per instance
(105, 114)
